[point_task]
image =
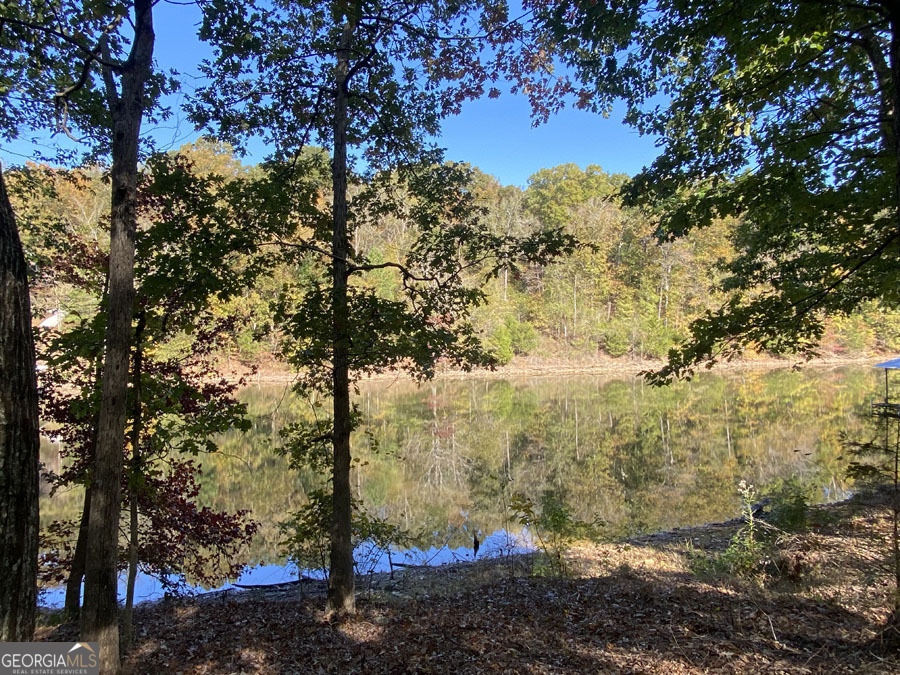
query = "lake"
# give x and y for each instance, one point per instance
(443, 460)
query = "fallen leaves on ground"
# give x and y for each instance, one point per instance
(633, 607)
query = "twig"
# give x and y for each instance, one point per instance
(772, 626)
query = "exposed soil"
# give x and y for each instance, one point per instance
(627, 607)
(272, 372)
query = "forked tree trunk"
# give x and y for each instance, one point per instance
(19, 438)
(99, 616)
(341, 598)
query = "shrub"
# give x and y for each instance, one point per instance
(852, 332)
(500, 343)
(554, 527)
(616, 341)
(522, 335)
(747, 555)
(789, 504)
(511, 338)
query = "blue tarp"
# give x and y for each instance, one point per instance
(893, 364)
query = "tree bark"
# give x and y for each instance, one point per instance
(895, 119)
(79, 559)
(575, 305)
(72, 607)
(133, 479)
(99, 616)
(341, 598)
(19, 438)
(894, 57)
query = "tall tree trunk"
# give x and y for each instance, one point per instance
(575, 305)
(72, 607)
(340, 580)
(19, 438)
(99, 616)
(134, 481)
(894, 18)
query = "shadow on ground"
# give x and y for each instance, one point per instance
(626, 622)
(640, 612)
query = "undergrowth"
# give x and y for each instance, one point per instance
(754, 552)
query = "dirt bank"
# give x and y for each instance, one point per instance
(275, 373)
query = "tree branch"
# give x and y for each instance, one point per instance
(305, 246)
(407, 275)
(109, 84)
(817, 298)
(89, 53)
(61, 98)
(463, 38)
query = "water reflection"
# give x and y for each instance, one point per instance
(443, 460)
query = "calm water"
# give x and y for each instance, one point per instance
(443, 460)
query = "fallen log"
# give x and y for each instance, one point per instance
(280, 583)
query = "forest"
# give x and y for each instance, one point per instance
(623, 294)
(143, 287)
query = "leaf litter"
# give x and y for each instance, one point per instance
(632, 607)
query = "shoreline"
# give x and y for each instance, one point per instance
(536, 367)
(708, 537)
(638, 606)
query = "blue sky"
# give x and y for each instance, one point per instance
(495, 135)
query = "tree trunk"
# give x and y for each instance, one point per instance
(894, 18)
(574, 305)
(341, 598)
(19, 438)
(134, 481)
(76, 572)
(72, 607)
(99, 616)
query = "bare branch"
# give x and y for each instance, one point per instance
(61, 98)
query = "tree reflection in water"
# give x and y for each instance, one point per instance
(443, 460)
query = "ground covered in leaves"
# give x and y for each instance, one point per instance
(818, 607)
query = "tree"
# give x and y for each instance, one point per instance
(553, 193)
(781, 114)
(66, 250)
(99, 618)
(19, 438)
(377, 77)
(195, 245)
(562, 196)
(51, 44)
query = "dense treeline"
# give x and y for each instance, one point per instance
(622, 294)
